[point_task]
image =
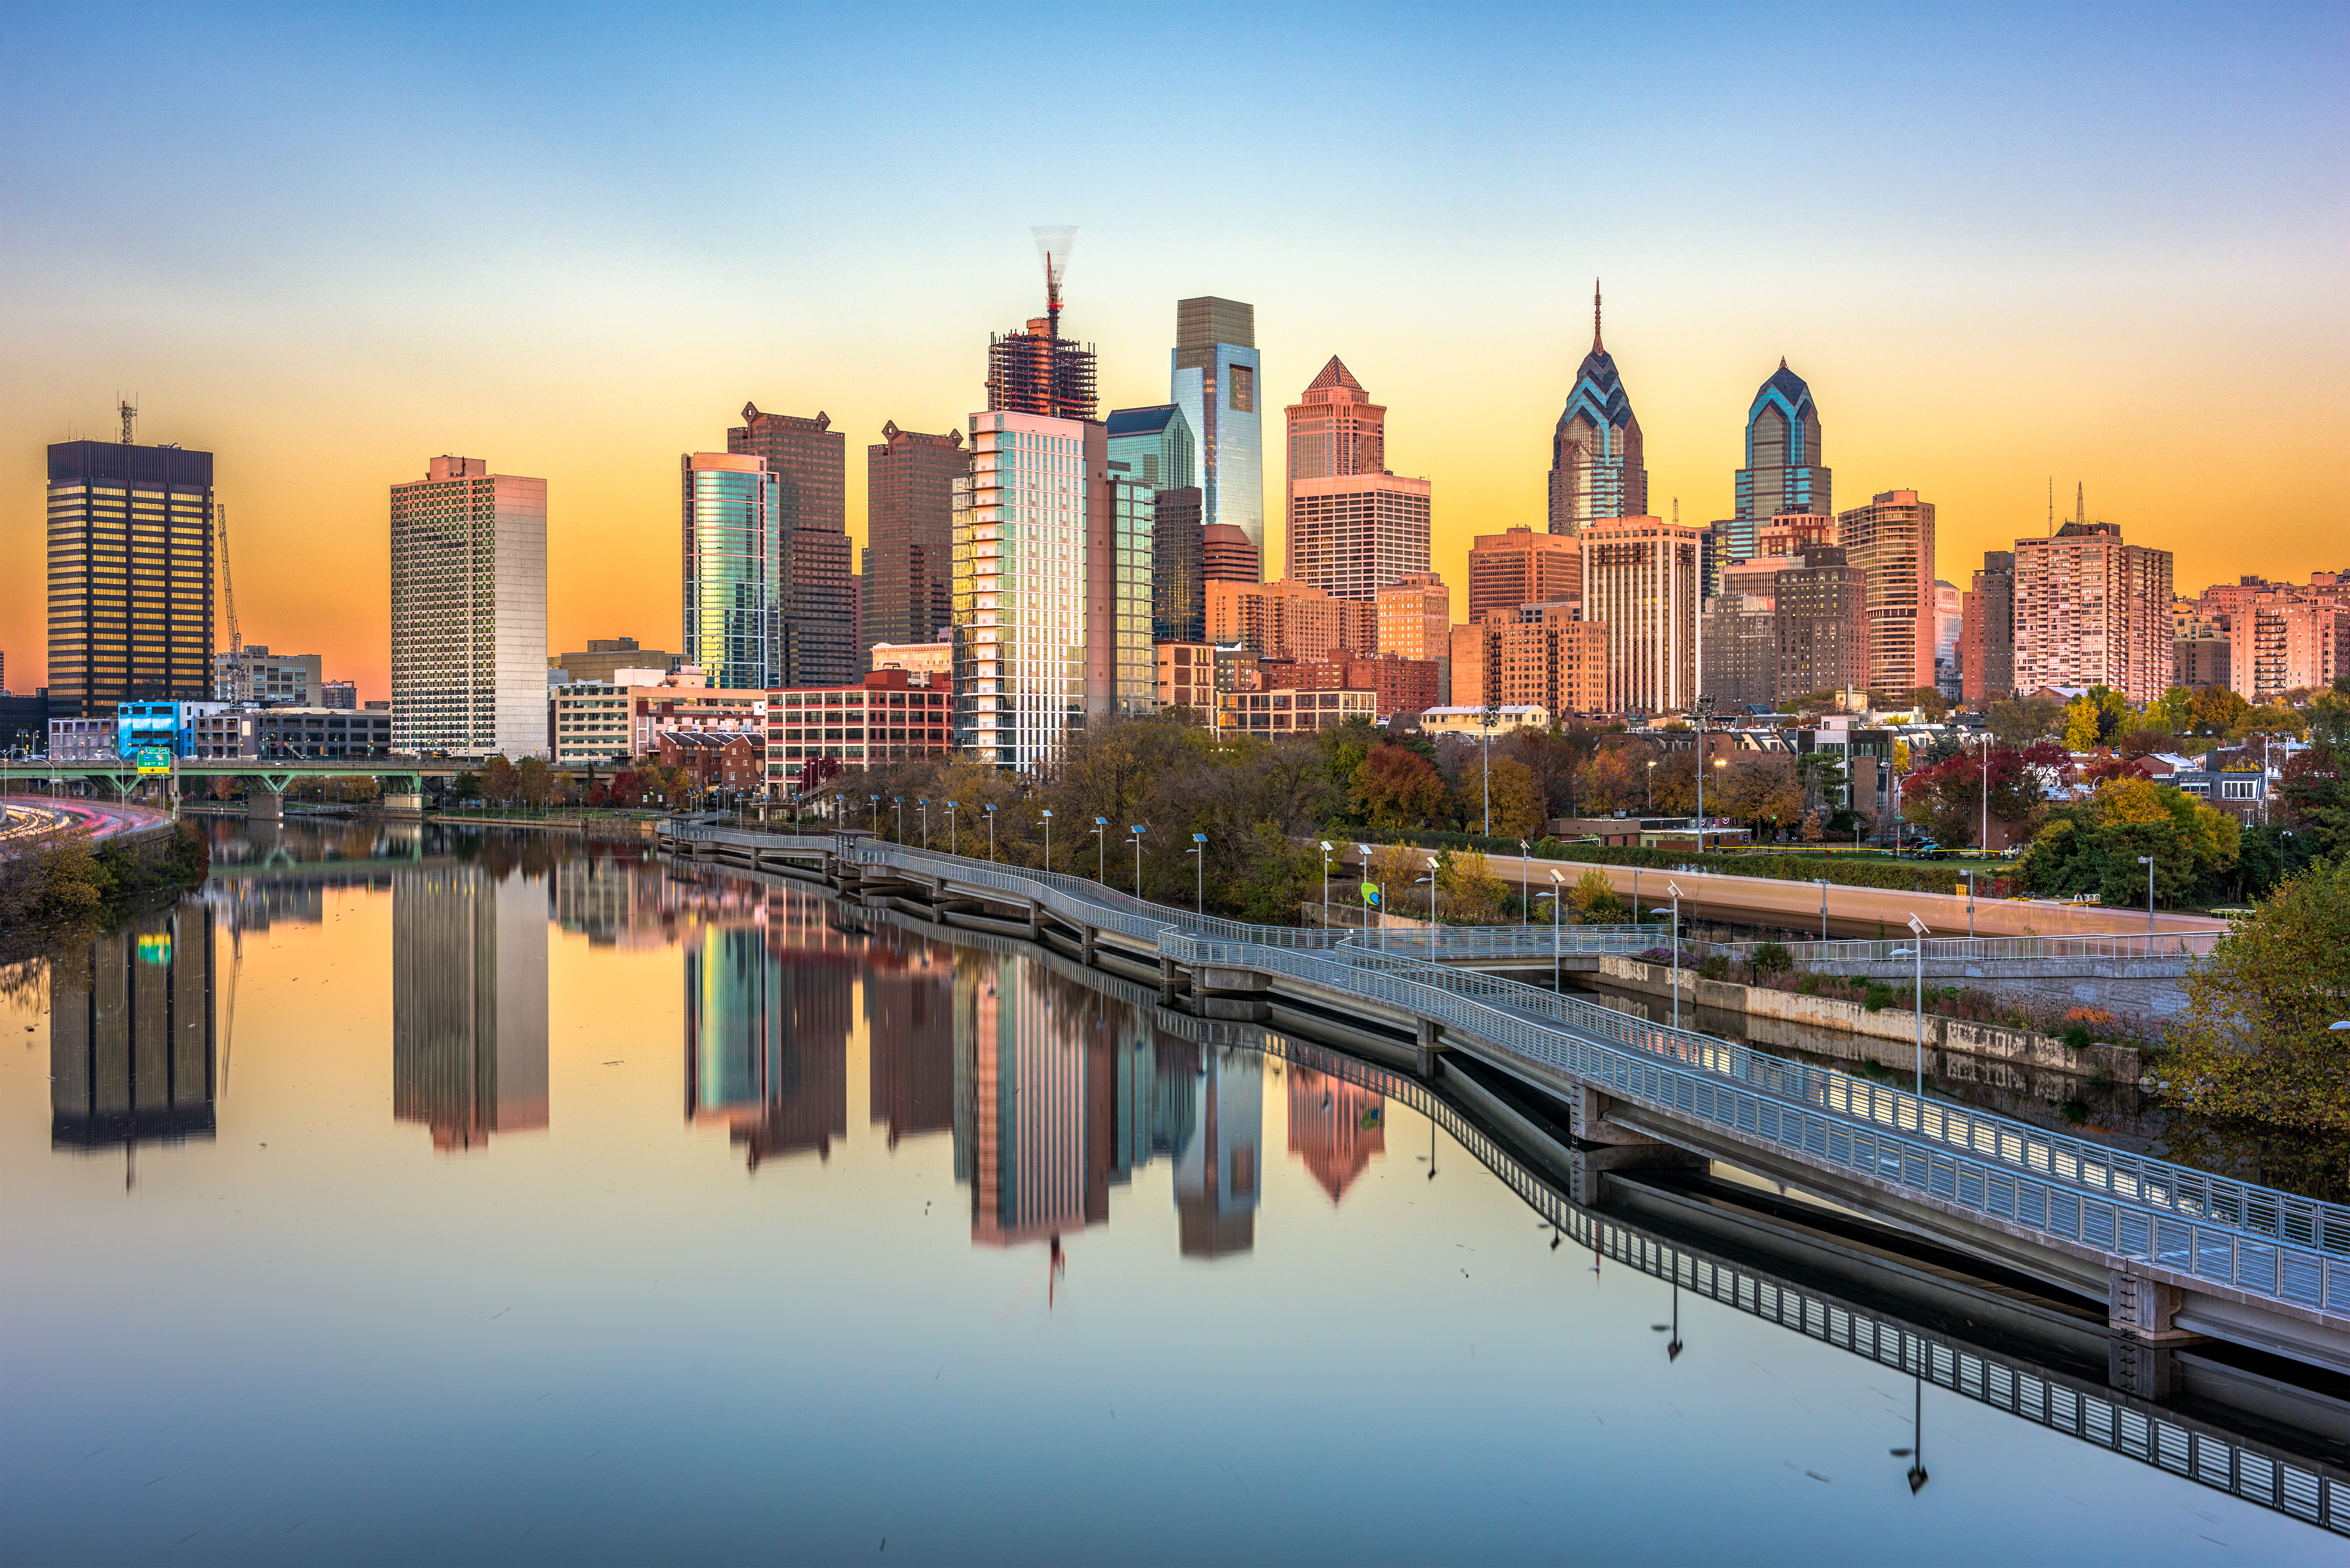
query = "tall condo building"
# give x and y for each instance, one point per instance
(2285, 640)
(1892, 540)
(816, 592)
(130, 574)
(1640, 581)
(1037, 371)
(1520, 567)
(469, 612)
(1214, 376)
(1738, 658)
(1987, 632)
(1416, 618)
(1597, 466)
(1353, 527)
(907, 584)
(1949, 626)
(1051, 587)
(1782, 471)
(1820, 610)
(1290, 620)
(2092, 611)
(732, 540)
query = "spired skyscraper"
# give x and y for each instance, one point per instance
(1597, 465)
(1215, 383)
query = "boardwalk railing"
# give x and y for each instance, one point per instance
(2168, 945)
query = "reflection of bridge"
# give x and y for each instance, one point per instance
(2175, 1253)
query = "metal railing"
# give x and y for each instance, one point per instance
(2267, 1243)
(1507, 942)
(2171, 945)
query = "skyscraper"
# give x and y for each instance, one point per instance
(1597, 466)
(1178, 568)
(732, 541)
(130, 574)
(2093, 611)
(1226, 555)
(1782, 471)
(469, 612)
(1520, 567)
(1640, 581)
(1215, 371)
(1892, 540)
(908, 564)
(1820, 607)
(1039, 371)
(816, 590)
(1154, 446)
(1353, 528)
(1950, 621)
(1121, 679)
(1336, 428)
(768, 1011)
(1986, 635)
(468, 1003)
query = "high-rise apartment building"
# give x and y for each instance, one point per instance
(2201, 656)
(1949, 622)
(815, 589)
(1228, 555)
(1738, 664)
(1597, 465)
(1416, 617)
(1120, 678)
(2287, 641)
(1214, 378)
(1290, 620)
(1820, 624)
(1179, 566)
(130, 574)
(1521, 566)
(1892, 540)
(469, 612)
(907, 583)
(1352, 535)
(2091, 610)
(1039, 371)
(732, 542)
(1987, 632)
(1539, 656)
(1782, 471)
(1640, 581)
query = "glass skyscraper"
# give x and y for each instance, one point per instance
(1020, 580)
(1216, 376)
(1782, 471)
(815, 595)
(733, 544)
(1153, 447)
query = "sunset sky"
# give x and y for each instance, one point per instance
(327, 243)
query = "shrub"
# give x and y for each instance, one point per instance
(1715, 967)
(1773, 956)
(1879, 997)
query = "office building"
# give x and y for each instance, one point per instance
(1416, 622)
(1120, 582)
(1335, 430)
(2091, 610)
(469, 612)
(1397, 686)
(1290, 620)
(589, 723)
(1153, 447)
(1520, 567)
(1178, 596)
(468, 1003)
(1738, 662)
(1195, 675)
(1820, 624)
(732, 541)
(905, 589)
(1266, 712)
(1538, 656)
(130, 572)
(2284, 640)
(343, 694)
(24, 723)
(1215, 373)
(605, 658)
(256, 675)
(1352, 535)
(684, 702)
(134, 1032)
(815, 589)
(1640, 581)
(169, 726)
(82, 740)
(1987, 632)
(1039, 371)
(935, 659)
(1782, 471)
(286, 733)
(1892, 540)
(1597, 465)
(1227, 555)
(1950, 621)
(1792, 533)
(2200, 655)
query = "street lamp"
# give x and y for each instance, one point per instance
(1380, 896)
(900, 801)
(1649, 809)
(1557, 896)
(1525, 880)
(1136, 829)
(1326, 884)
(1824, 908)
(1986, 801)
(922, 807)
(1048, 842)
(1917, 949)
(876, 810)
(1431, 880)
(1199, 893)
(950, 824)
(1101, 850)
(991, 833)
(1675, 889)
(2148, 861)
(1970, 902)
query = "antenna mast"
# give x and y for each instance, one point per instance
(2080, 506)
(236, 670)
(130, 417)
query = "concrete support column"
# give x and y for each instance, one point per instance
(1090, 934)
(263, 803)
(403, 804)
(2141, 1318)
(1427, 1047)
(1170, 981)
(1588, 1177)
(1587, 1120)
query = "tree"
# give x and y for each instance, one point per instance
(1759, 789)
(2174, 710)
(1616, 778)
(1277, 876)
(2093, 846)
(535, 781)
(1594, 901)
(2020, 720)
(1517, 799)
(1396, 868)
(500, 780)
(2314, 802)
(2094, 717)
(1472, 894)
(2215, 710)
(2254, 1041)
(1397, 789)
(1927, 699)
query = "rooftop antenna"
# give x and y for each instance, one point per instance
(2080, 506)
(1595, 317)
(2052, 506)
(1053, 243)
(129, 416)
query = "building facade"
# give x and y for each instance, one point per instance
(1949, 623)
(1738, 662)
(1987, 632)
(1290, 620)
(1352, 535)
(1119, 512)
(2091, 610)
(1892, 540)
(130, 572)
(1265, 713)
(303, 733)
(1214, 375)
(1228, 555)
(1641, 582)
(1783, 470)
(891, 716)
(1037, 371)
(1021, 585)
(1416, 622)
(1333, 431)
(589, 723)
(1193, 674)
(605, 658)
(906, 587)
(1820, 624)
(1178, 567)
(254, 674)
(469, 612)
(731, 568)
(1398, 686)
(2283, 641)
(1598, 467)
(1153, 447)
(815, 589)
(1542, 656)
(2201, 658)
(1520, 567)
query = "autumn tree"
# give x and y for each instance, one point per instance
(1759, 789)
(1397, 789)
(1472, 894)
(500, 780)
(1594, 901)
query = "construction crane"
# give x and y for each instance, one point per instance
(236, 670)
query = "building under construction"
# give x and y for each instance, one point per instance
(1039, 371)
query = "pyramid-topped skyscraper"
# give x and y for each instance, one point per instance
(1597, 467)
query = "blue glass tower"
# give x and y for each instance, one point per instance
(1598, 467)
(1782, 471)
(733, 549)
(1156, 446)
(1215, 381)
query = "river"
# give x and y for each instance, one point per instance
(482, 1196)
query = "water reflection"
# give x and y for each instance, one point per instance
(1337, 1128)
(133, 1043)
(768, 1006)
(469, 1003)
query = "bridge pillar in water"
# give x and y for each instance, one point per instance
(1090, 934)
(2141, 1320)
(1427, 1047)
(1238, 994)
(263, 804)
(1612, 1147)
(403, 804)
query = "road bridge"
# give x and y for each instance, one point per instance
(402, 777)
(2176, 1254)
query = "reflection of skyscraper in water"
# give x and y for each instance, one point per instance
(132, 1048)
(1035, 1099)
(766, 1040)
(1216, 1185)
(1334, 1127)
(468, 1003)
(909, 1024)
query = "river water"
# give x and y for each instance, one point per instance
(452, 1197)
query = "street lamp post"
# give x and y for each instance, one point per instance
(1919, 931)
(1557, 896)
(991, 833)
(1048, 842)
(1326, 883)
(1379, 895)
(1824, 908)
(1431, 880)
(1200, 887)
(1675, 889)
(1971, 904)
(1986, 798)
(1525, 880)
(876, 811)
(2146, 861)
(1101, 850)
(922, 807)
(950, 824)
(1649, 808)
(1137, 841)
(899, 801)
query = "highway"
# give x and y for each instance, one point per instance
(30, 816)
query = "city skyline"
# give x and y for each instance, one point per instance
(320, 362)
